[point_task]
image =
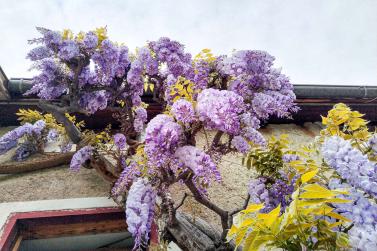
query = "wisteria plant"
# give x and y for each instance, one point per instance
(225, 98)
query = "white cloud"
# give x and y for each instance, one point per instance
(316, 42)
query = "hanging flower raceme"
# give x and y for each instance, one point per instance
(80, 157)
(144, 63)
(372, 142)
(39, 53)
(120, 141)
(129, 173)
(250, 120)
(272, 195)
(183, 111)
(203, 168)
(140, 211)
(90, 41)
(172, 53)
(94, 101)
(69, 49)
(202, 71)
(110, 61)
(267, 90)
(45, 85)
(10, 139)
(240, 144)
(220, 110)
(24, 151)
(52, 135)
(254, 136)
(140, 118)
(162, 137)
(351, 164)
(363, 213)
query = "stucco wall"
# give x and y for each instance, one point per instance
(60, 183)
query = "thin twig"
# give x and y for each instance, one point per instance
(182, 201)
(241, 208)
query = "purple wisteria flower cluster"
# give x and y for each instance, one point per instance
(254, 136)
(140, 211)
(372, 143)
(264, 88)
(10, 139)
(351, 164)
(143, 64)
(94, 101)
(162, 137)
(271, 193)
(220, 110)
(128, 175)
(140, 118)
(183, 111)
(201, 165)
(173, 55)
(240, 144)
(24, 151)
(83, 65)
(120, 141)
(80, 157)
(45, 84)
(362, 212)
(111, 62)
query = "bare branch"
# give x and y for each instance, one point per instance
(182, 201)
(102, 166)
(241, 208)
(216, 139)
(59, 114)
(224, 215)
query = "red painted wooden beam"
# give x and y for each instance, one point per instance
(34, 224)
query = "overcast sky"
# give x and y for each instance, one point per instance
(314, 41)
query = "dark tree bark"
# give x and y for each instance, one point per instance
(59, 114)
(41, 161)
(197, 235)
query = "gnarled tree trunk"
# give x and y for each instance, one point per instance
(197, 235)
(37, 162)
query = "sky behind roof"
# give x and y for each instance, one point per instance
(314, 41)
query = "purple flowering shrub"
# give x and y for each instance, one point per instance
(227, 97)
(27, 138)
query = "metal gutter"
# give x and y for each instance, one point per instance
(335, 91)
(314, 100)
(18, 86)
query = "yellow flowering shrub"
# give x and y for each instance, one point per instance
(308, 216)
(344, 122)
